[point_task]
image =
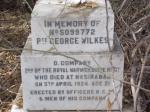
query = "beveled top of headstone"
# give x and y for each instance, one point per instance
(52, 8)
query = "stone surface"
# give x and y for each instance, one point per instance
(15, 108)
(72, 81)
(65, 28)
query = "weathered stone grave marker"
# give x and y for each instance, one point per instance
(80, 81)
(71, 66)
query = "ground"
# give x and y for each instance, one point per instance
(14, 30)
(132, 26)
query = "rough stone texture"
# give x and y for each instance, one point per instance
(16, 108)
(104, 65)
(88, 34)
